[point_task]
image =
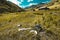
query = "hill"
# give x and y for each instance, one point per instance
(54, 4)
(6, 6)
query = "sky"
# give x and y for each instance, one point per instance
(27, 3)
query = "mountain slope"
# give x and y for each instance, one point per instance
(54, 4)
(6, 6)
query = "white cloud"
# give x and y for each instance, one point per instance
(28, 5)
(22, 0)
(29, 0)
(32, 4)
(19, 2)
(16, 2)
(22, 6)
(45, 2)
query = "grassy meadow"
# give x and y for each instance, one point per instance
(49, 19)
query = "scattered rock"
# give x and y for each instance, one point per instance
(34, 31)
(23, 29)
(38, 27)
(19, 25)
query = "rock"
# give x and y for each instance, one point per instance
(23, 29)
(19, 25)
(38, 27)
(43, 8)
(34, 31)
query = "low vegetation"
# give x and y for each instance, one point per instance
(49, 20)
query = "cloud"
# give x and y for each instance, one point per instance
(29, 0)
(45, 2)
(20, 0)
(26, 3)
(29, 5)
(16, 2)
(32, 4)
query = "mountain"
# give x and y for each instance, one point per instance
(54, 4)
(36, 6)
(7, 6)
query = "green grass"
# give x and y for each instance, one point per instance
(49, 19)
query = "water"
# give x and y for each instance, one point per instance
(27, 3)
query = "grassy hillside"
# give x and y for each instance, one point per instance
(49, 19)
(54, 4)
(6, 6)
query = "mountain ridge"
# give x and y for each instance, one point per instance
(54, 4)
(7, 6)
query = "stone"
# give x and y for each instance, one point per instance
(19, 25)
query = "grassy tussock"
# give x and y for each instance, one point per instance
(49, 19)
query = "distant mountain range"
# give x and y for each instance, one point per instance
(36, 6)
(7, 6)
(54, 4)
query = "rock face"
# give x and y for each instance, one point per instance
(6, 6)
